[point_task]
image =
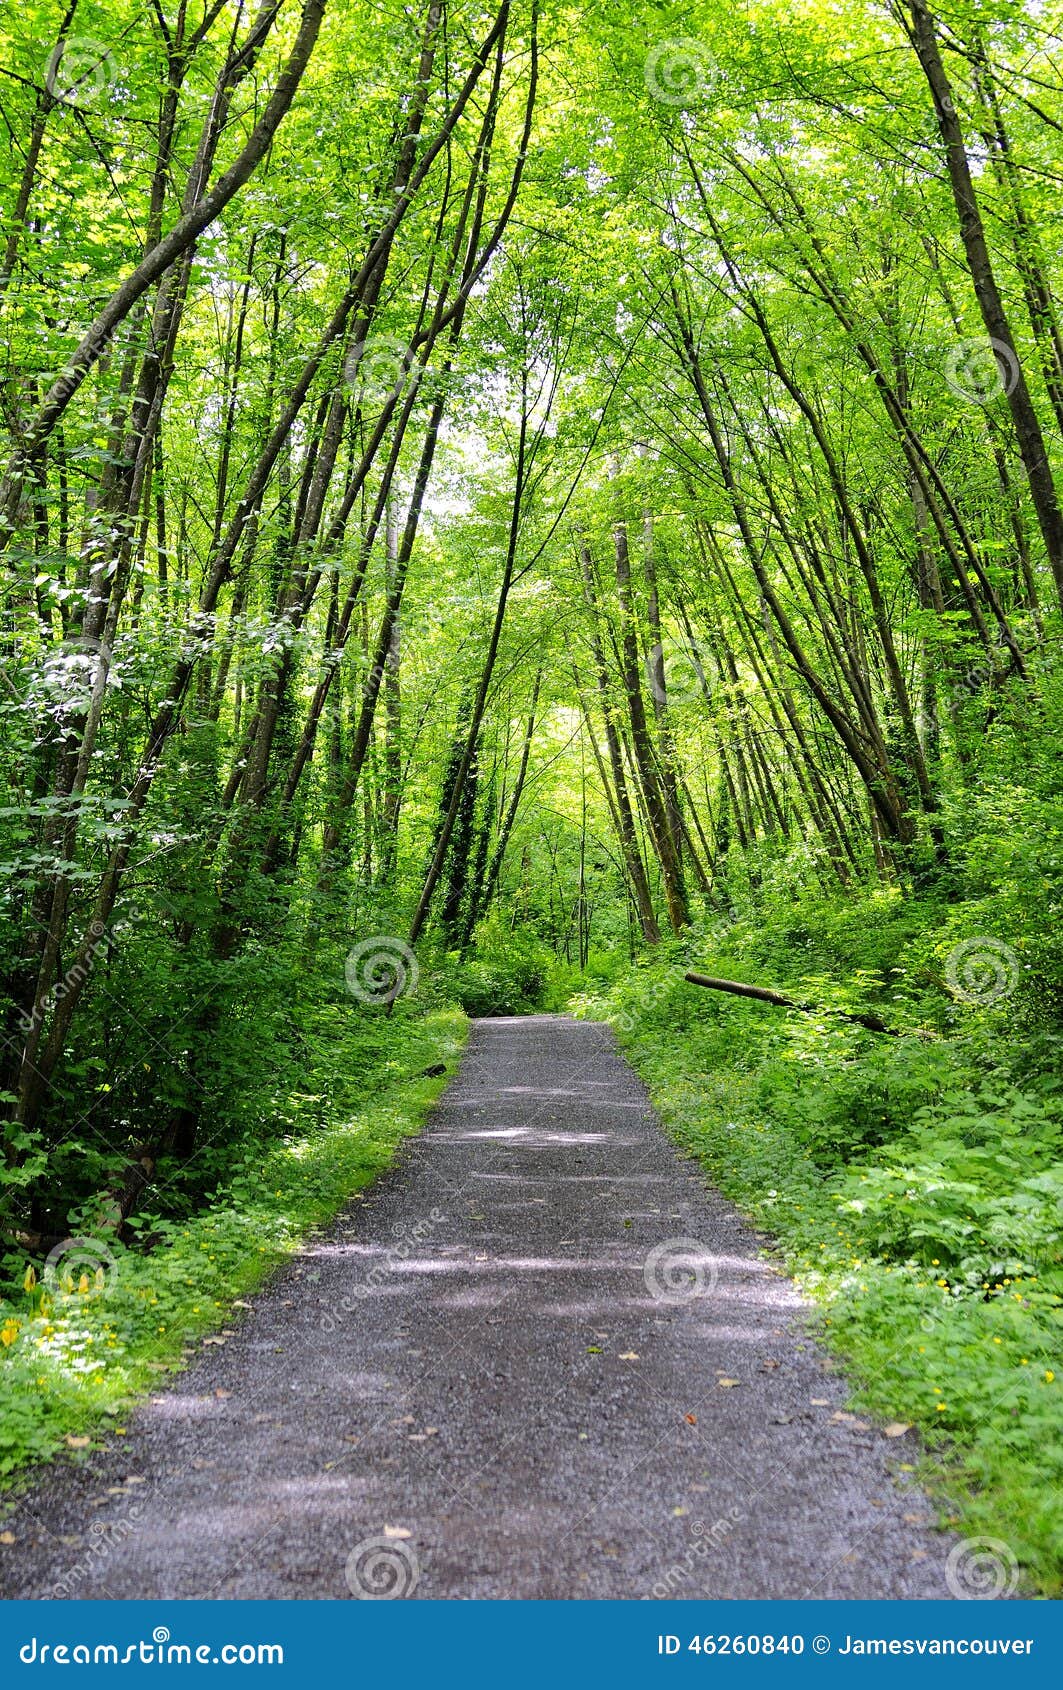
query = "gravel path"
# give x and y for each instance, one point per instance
(472, 1385)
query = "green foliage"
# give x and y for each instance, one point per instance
(74, 1359)
(504, 974)
(913, 1184)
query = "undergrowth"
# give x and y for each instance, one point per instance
(912, 1182)
(81, 1341)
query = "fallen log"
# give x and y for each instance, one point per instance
(764, 994)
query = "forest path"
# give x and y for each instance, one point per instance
(471, 1386)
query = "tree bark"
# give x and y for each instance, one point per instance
(923, 34)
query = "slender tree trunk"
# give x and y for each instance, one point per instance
(994, 315)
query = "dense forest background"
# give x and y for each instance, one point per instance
(502, 506)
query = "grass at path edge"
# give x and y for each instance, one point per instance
(974, 1373)
(72, 1367)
